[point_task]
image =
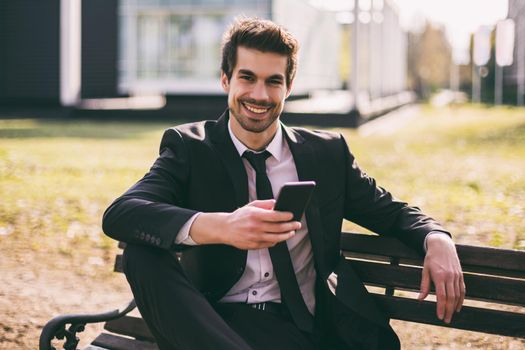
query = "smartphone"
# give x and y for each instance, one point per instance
(294, 197)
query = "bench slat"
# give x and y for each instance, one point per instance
(486, 288)
(131, 326)
(114, 342)
(470, 318)
(511, 262)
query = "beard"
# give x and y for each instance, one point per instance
(252, 124)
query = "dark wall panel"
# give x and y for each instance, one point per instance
(99, 48)
(3, 51)
(29, 38)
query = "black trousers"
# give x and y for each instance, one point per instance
(180, 317)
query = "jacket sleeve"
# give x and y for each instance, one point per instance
(378, 210)
(152, 211)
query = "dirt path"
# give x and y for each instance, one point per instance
(30, 294)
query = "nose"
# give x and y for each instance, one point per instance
(260, 92)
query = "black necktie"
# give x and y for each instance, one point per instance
(281, 261)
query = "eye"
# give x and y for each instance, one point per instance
(246, 77)
(275, 81)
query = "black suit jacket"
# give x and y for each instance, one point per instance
(199, 170)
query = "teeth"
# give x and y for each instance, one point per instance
(255, 110)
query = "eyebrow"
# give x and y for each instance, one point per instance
(249, 72)
(246, 71)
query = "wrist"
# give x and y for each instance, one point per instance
(437, 240)
(208, 228)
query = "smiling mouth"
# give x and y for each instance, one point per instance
(257, 110)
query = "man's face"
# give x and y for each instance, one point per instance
(256, 91)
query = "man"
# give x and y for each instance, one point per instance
(206, 196)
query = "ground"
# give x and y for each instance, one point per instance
(461, 165)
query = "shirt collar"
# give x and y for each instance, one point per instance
(275, 147)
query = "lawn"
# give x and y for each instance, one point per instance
(464, 166)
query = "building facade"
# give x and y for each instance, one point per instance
(61, 52)
(173, 47)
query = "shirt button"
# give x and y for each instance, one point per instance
(266, 274)
(254, 292)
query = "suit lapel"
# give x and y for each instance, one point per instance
(305, 160)
(227, 152)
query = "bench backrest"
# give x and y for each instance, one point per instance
(494, 278)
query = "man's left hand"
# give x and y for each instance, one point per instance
(442, 267)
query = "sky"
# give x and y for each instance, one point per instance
(459, 17)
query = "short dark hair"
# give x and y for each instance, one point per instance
(262, 35)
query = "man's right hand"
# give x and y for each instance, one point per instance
(253, 226)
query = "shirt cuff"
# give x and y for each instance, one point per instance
(425, 241)
(183, 237)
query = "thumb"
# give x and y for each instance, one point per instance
(425, 283)
(263, 204)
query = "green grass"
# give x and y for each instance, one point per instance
(57, 177)
(465, 166)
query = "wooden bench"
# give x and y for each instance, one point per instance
(495, 280)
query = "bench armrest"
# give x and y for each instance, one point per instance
(56, 328)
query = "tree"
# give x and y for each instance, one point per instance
(429, 60)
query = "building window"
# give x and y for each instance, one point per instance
(178, 46)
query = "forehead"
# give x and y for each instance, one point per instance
(260, 63)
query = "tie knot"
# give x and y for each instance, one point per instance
(257, 160)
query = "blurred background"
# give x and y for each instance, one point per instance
(358, 58)
(428, 93)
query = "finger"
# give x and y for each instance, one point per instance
(457, 292)
(267, 204)
(441, 295)
(280, 227)
(425, 284)
(271, 239)
(450, 302)
(275, 216)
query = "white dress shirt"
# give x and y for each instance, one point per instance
(258, 282)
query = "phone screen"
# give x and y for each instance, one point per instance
(294, 197)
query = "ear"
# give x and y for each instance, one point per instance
(225, 82)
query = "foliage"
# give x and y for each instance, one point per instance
(429, 60)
